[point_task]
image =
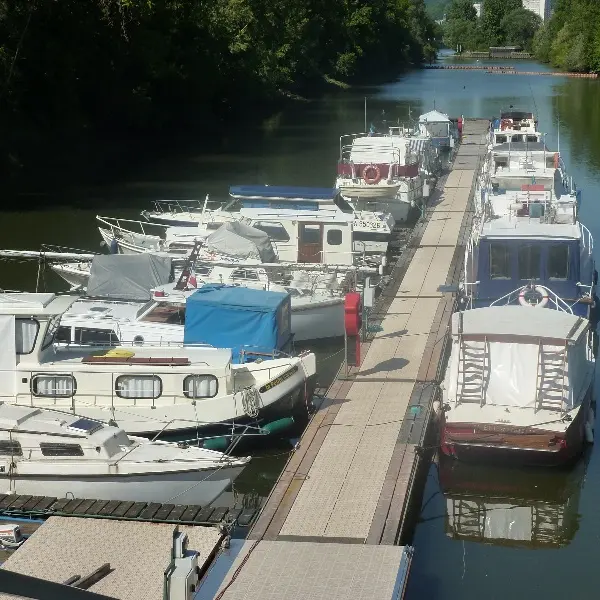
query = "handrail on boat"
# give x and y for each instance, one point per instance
(554, 298)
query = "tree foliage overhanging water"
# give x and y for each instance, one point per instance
(571, 38)
(151, 64)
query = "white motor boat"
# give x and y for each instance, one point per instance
(50, 453)
(257, 203)
(119, 306)
(150, 389)
(518, 384)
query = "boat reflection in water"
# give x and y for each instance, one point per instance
(519, 508)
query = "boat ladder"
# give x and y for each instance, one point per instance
(546, 522)
(188, 267)
(473, 362)
(551, 377)
(469, 518)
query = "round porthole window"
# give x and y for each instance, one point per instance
(138, 340)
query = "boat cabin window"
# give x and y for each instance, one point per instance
(63, 335)
(138, 386)
(501, 139)
(334, 237)
(529, 259)
(516, 138)
(49, 449)
(499, 261)
(50, 332)
(10, 448)
(310, 234)
(200, 386)
(558, 262)
(244, 274)
(53, 386)
(95, 336)
(26, 332)
(275, 230)
(532, 138)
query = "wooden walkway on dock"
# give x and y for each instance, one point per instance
(353, 476)
(41, 507)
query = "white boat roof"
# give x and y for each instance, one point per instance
(39, 420)
(287, 214)
(25, 303)
(212, 358)
(520, 321)
(521, 227)
(95, 310)
(176, 233)
(378, 149)
(433, 116)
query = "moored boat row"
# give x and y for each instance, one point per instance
(520, 375)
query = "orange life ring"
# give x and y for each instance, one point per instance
(556, 160)
(371, 174)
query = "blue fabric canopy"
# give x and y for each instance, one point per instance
(238, 318)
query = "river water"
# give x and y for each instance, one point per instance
(553, 517)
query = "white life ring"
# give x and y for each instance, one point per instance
(542, 291)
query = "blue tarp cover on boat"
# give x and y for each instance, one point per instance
(282, 191)
(238, 318)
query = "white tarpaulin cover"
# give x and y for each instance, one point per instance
(516, 350)
(127, 276)
(243, 241)
(378, 150)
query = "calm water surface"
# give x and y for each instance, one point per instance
(554, 516)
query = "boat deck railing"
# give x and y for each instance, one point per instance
(554, 300)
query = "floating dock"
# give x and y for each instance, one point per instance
(340, 510)
(498, 70)
(119, 559)
(42, 507)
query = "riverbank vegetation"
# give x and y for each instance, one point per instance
(570, 39)
(502, 23)
(155, 65)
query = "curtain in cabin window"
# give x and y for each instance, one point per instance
(138, 386)
(26, 331)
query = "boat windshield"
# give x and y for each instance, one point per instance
(51, 331)
(342, 204)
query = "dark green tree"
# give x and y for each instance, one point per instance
(492, 13)
(519, 28)
(461, 10)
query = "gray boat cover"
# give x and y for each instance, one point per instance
(242, 241)
(127, 276)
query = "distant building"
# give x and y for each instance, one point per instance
(477, 7)
(539, 7)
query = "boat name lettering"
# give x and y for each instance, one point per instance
(371, 224)
(274, 382)
(506, 429)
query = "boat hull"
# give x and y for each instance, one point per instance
(369, 191)
(197, 487)
(287, 394)
(501, 444)
(318, 321)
